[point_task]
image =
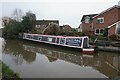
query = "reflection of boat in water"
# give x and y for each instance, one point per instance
(69, 57)
(81, 43)
(98, 62)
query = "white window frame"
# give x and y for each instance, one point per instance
(100, 18)
(99, 31)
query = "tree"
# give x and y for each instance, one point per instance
(28, 22)
(51, 29)
(11, 29)
(13, 26)
(105, 32)
(17, 15)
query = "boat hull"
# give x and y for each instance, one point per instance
(88, 51)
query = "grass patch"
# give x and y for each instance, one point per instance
(7, 72)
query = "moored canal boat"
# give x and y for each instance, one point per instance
(81, 43)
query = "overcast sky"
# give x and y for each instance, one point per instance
(66, 11)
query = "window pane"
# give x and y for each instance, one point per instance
(118, 30)
(101, 31)
(87, 19)
(97, 31)
(100, 20)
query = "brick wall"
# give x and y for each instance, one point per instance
(87, 28)
(110, 17)
(112, 30)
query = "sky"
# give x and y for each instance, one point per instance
(66, 11)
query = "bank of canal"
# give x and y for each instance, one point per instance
(50, 62)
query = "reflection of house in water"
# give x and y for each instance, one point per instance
(108, 64)
(51, 59)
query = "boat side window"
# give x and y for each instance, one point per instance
(73, 41)
(68, 41)
(44, 38)
(35, 37)
(49, 39)
(62, 41)
(80, 41)
(28, 36)
(57, 40)
(85, 43)
(39, 38)
(31, 37)
(53, 39)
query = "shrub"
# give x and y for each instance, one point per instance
(113, 37)
(52, 29)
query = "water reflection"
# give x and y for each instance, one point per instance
(14, 47)
(104, 62)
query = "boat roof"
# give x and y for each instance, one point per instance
(58, 36)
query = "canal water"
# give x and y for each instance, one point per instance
(33, 60)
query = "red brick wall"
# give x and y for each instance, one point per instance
(110, 17)
(119, 13)
(112, 30)
(87, 28)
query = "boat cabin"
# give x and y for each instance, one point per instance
(68, 41)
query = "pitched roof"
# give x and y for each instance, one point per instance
(113, 24)
(115, 6)
(46, 22)
(90, 15)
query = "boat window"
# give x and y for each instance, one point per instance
(62, 41)
(85, 43)
(39, 38)
(44, 38)
(49, 39)
(35, 37)
(28, 36)
(53, 39)
(74, 41)
(58, 40)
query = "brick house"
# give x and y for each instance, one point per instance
(114, 29)
(87, 24)
(66, 28)
(106, 19)
(42, 24)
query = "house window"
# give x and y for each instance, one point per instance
(100, 20)
(99, 31)
(118, 31)
(87, 19)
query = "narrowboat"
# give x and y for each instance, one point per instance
(66, 41)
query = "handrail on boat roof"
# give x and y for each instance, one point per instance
(58, 36)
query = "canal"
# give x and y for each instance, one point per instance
(33, 60)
